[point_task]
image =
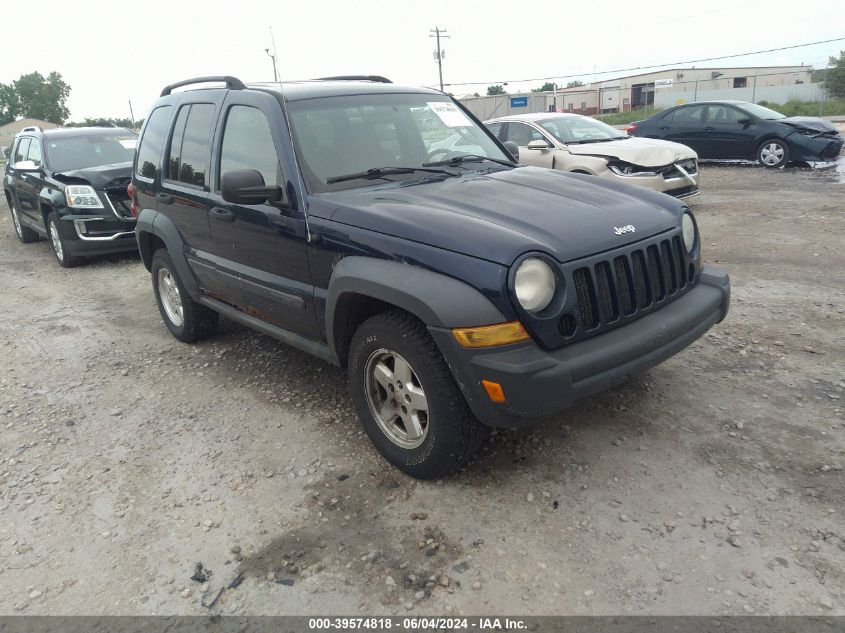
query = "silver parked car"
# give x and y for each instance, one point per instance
(581, 144)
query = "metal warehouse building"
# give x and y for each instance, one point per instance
(660, 89)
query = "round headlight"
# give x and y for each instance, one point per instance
(534, 284)
(688, 227)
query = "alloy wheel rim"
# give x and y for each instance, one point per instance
(17, 222)
(772, 153)
(396, 398)
(56, 240)
(171, 300)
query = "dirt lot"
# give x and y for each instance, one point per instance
(713, 484)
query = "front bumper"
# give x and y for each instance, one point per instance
(97, 234)
(682, 187)
(814, 148)
(538, 382)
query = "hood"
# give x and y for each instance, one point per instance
(646, 152)
(100, 177)
(809, 122)
(501, 215)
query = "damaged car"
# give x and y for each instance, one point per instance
(583, 145)
(738, 130)
(70, 186)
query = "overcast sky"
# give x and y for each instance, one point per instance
(110, 55)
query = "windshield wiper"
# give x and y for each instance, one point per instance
(380, 172)
(470, 158)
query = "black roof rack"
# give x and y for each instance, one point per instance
(376, 78)
(233, 83)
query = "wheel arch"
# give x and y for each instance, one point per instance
(153, 231)
(361, 287)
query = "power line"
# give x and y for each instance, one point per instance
(623, 70)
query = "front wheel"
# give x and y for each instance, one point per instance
(407, 399)
(66, 260)
(773, 153)
(186, 319)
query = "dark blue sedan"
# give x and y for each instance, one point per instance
(745, 131)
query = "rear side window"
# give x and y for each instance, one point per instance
(248, 144)
(22, 149)
(690, 114)
(189, 148)
(152, 142)
(495, 128)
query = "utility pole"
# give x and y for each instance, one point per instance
(439, 54)
(272, 55)
(131, 114)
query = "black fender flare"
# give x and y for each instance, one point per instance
(435, 298)
(151, 222)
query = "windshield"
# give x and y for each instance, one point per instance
(577, 129)
(760, 112)
(341, 136)
(92, 150)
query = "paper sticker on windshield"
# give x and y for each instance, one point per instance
(128, 143)
(449, 113)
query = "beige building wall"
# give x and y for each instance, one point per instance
(8, 131)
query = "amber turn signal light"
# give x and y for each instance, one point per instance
(491, 335)
(494, 391)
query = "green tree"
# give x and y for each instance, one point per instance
(496, 90)
(101, 122)
(9, 106)
(835, 79)
(575, 83)
(546, 87)
(35, 96)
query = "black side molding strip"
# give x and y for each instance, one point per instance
(316, 348)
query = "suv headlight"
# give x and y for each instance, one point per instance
(534, 284)
(688, 228)
(82, 197)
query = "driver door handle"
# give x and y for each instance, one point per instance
(224, 215)
(709, 129)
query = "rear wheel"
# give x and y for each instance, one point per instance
(25, 234)
(186, 319)
(407, 399)
(773, 153)
(59, 243)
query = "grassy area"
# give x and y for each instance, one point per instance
(621, 118)
(831, 107)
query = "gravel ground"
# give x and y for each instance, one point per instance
(713, 484)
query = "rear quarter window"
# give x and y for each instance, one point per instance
(149, 151)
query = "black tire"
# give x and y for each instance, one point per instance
(24, 233)
(198, 321)
(453, 433)
(771, 149)
(59, 244)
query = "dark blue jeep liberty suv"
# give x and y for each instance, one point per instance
(383, 229)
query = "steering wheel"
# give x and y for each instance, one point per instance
(447, 154)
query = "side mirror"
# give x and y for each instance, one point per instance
(246, 186)
(539, 144)
(513, 148)
(26, 165)
(744, 122)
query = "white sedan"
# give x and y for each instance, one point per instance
(580, 144)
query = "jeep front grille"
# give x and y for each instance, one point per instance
(624, 286)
